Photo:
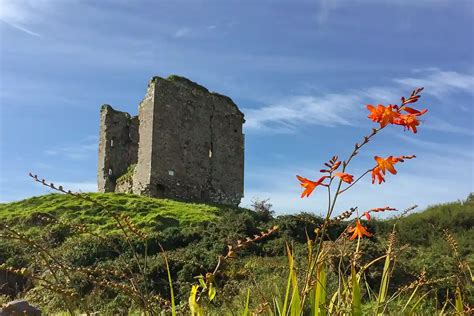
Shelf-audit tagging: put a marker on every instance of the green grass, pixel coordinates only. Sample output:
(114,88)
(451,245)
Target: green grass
(145,212)
(128,174)
(194,235)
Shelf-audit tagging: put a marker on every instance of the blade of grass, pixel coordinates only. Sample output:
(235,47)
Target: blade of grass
(288,284)
(458,302)
(320,294)
(411,297)
(356,299)
(385,279)
(277,306)
(246,310)
(446,303)
(413,309)
(295,307)
(193,305)
(173,307)
(277,301)
(331,303)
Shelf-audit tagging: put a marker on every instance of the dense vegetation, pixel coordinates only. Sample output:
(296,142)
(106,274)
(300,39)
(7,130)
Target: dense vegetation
(195,235)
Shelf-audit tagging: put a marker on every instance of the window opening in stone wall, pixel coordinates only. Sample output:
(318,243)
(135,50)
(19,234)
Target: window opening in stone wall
(160,189)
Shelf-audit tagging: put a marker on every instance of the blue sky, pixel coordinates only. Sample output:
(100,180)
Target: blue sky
(301,71)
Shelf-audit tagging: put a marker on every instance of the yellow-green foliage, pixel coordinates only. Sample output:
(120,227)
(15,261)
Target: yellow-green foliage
(146,213)
(128,174)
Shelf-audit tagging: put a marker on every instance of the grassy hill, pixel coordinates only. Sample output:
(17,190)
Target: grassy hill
(194,235)
(146,213)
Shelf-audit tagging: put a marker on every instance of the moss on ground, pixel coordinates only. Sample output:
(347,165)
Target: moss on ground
(127,175)
(147,213)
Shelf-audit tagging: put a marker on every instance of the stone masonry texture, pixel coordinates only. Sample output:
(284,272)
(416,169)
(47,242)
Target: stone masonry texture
(186,143)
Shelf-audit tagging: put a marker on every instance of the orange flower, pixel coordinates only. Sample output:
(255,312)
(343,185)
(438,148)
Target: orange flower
(414,112)
(382,114)
(401,158)
(309,185)
(382,209)
(358,231)
(376,113)
(409,121)
(376,210)
(376,173)
(386,164)
(348,178)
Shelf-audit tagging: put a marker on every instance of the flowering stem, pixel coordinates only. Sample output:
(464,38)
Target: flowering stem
(355,181)
(329,194)
(358,244)
(333,203)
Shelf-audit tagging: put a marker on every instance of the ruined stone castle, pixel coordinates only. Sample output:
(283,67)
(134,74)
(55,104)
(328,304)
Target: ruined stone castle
(186,143)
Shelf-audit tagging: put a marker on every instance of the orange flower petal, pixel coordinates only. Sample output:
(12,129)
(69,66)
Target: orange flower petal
(348,178)
(359,231)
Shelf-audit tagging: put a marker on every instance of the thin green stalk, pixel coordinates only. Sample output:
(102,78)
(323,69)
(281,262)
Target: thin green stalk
(345,189)
(246,310)
(173,307)
(356,295)
(385,278)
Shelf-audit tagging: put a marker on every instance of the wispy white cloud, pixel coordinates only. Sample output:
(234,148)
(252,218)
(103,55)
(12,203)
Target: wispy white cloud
(83,149)
(339,109)
(440,148)
(328,7)
(20,14)
(325,7)
(440,83)
(441,125)
(21,28)
(182,32)
(285,116)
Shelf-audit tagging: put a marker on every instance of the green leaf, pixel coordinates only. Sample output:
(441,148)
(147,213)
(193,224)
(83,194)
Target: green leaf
(196,310)
(385,279)
(319,308)
(288,284)
(246,310)
(201,281)
(410,298)
(295,297)
(458,303)
(356,297)
(211,292)
(173,307)
(415,306)
(332,302)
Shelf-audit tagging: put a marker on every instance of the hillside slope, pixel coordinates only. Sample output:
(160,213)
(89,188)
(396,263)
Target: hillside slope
(145,212)
(195,235)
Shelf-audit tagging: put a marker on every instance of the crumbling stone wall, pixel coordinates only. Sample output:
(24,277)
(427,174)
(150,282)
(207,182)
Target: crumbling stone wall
(191,145)
(118,146)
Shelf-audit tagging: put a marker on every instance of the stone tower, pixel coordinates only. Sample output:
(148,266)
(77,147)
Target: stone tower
(186,143)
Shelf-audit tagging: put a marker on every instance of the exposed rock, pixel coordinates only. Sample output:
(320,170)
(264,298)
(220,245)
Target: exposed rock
(19,308)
